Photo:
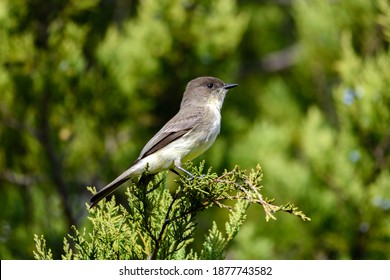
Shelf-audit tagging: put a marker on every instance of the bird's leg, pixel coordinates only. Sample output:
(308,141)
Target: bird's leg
(186,172)
(178,166)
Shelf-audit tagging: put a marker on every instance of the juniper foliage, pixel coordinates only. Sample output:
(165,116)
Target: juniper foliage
(160,224)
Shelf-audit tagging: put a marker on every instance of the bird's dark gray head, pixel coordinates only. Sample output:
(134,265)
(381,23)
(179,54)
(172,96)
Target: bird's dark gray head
(205,90)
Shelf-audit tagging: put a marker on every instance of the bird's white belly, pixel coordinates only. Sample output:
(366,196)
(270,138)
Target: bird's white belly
(187,147)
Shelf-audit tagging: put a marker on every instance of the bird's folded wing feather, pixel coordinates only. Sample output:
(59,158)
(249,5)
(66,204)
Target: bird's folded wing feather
(178,126)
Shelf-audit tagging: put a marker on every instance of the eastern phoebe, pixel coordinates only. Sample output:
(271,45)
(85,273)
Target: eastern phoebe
(187,135)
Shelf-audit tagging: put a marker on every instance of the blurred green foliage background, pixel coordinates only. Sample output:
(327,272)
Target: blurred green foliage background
(85,84)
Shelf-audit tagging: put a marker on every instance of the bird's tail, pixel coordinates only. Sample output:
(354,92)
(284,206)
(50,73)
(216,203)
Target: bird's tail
(110,188)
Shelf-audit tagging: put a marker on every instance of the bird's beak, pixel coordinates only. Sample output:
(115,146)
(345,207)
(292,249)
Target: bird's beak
(228,86)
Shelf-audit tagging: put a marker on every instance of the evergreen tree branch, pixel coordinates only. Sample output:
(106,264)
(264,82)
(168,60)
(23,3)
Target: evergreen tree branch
(160,225)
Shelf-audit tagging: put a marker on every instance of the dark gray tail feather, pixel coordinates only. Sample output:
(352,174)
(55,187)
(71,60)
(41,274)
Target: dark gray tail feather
(106,191)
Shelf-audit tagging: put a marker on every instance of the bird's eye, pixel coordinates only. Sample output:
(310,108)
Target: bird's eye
(210,85)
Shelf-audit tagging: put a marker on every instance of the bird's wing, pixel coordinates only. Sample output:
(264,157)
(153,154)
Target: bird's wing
(175,128)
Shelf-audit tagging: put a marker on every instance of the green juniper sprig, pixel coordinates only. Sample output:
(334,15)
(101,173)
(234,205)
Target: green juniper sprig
(159,224)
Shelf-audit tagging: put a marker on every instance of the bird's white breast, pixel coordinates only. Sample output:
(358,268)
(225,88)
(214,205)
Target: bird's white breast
(187,147)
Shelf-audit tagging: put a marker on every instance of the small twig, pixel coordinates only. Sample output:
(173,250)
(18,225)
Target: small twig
(268,208)
(246,192)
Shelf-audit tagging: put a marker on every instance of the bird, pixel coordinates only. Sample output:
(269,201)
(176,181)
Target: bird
(183,138)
